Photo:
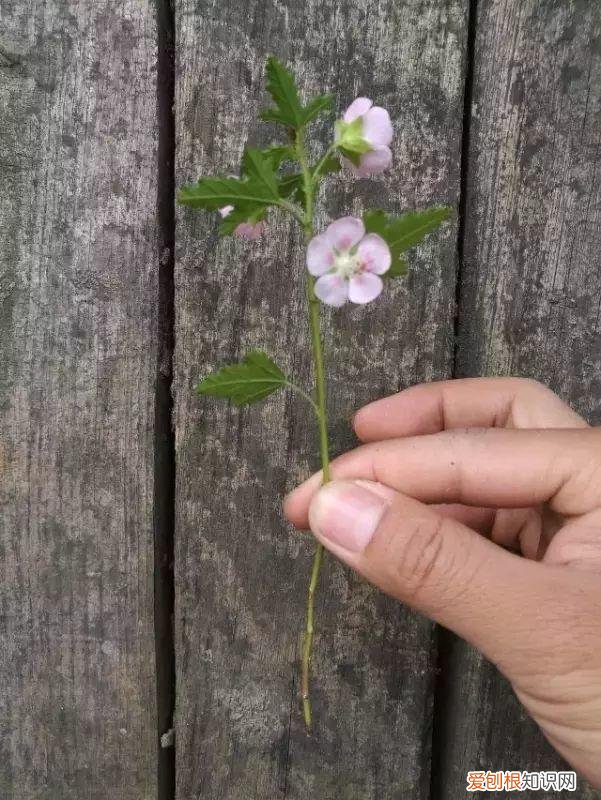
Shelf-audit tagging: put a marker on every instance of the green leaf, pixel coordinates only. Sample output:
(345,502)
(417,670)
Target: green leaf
(214,193)
(292,187)
(253,379)
(330,165)
(258,167)
(289,110)
(228,224)
(250,195)
(411,228)
(282,88)
(276,154)
(316,106)
(402,233)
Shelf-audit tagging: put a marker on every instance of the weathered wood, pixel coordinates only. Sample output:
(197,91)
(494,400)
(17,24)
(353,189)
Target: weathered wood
(531,285)
(78,287)
(241,575)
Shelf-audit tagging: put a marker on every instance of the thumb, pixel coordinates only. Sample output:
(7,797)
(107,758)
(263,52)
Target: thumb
(437,565)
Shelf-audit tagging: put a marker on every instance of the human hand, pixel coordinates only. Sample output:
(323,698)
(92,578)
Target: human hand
(456,480)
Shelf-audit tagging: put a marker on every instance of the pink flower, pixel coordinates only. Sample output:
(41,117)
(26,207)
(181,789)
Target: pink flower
(369,125)
(247,230)
(347,263)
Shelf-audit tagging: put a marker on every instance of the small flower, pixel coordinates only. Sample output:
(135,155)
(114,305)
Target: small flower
(246,230)
(347,263)
(366,131)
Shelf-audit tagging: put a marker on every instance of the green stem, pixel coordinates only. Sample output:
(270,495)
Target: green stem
(308,398)
(320,380)
(320,398)
(321,164)
(294,210)
(322,420)
(307,184)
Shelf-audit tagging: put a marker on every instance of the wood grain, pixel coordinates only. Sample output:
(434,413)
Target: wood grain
(530,287)
(78,286)
(241,575)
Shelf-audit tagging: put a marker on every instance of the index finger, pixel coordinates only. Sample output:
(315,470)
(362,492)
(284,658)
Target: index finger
(477,467)
(464,403)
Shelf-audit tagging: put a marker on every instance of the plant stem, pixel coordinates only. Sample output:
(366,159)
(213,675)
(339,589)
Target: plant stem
(308,184)
(306,396)
(294,210)
(320,380)
(321,164)
(320,399)
(309,181)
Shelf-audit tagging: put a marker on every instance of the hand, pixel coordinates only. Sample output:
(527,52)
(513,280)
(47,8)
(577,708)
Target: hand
(456,481)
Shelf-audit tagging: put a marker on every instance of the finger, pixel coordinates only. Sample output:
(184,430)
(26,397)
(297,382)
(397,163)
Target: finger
(436,565)
(484,467)
(478,519)
(519,529)
(466,403)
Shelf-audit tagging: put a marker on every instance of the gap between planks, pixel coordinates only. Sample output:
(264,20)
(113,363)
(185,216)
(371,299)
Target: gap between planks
(444,640)
(164,442)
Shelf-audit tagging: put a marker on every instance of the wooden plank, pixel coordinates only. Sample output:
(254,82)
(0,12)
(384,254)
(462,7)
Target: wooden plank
(78,287)
(531,285)
(241,575)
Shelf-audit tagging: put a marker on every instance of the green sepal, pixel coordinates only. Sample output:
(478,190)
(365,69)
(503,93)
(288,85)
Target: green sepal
(349,138)
(253,379)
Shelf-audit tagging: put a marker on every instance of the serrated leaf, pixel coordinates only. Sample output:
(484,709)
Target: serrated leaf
(330,165)
(402,233)
(276,154)
(257,166)
(253,379)
(293,187)
(377,222)
(316,106)
(237,216)
(288,109)
(214,193)
(282,88)
(411,228)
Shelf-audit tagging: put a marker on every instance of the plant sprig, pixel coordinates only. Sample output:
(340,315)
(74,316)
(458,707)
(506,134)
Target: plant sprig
(281,176)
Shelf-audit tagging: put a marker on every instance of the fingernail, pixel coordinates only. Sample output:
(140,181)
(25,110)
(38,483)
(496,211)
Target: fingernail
(347,513)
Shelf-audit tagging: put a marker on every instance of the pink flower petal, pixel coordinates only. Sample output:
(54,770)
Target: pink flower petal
(377,160)
(247,230)
(226,210)
(332,290)
(377,127)
(320,255)
(374,254)
(345,232)
(364,288)
(357,108)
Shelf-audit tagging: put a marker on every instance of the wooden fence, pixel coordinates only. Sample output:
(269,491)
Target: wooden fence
(110,306)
